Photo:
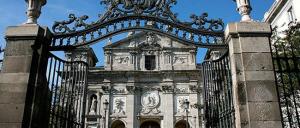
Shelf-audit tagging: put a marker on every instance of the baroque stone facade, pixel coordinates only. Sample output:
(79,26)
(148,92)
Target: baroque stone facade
(146,78)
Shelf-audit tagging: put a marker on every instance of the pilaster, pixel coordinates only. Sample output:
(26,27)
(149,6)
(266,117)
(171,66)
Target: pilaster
(168,102)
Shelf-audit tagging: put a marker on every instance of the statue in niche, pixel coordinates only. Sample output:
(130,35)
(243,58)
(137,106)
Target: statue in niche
(119,106)
(93,106)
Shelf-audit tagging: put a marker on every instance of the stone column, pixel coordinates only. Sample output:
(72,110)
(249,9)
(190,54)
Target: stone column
(23,86)
(254,90)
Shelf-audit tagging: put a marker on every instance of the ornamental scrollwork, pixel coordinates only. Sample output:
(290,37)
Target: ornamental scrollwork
(138,15)
(62,26)
(203,23)
(123,8)
(117,8)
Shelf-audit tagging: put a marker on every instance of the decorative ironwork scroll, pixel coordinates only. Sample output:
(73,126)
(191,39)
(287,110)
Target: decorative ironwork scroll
(138,15)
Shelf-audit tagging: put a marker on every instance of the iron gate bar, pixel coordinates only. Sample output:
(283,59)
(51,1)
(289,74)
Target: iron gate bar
(286,65)
(57,43)
(219,109)
(67,84)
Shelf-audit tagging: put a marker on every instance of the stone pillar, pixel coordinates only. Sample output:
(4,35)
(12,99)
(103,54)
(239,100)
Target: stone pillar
(254,90)
(23,86)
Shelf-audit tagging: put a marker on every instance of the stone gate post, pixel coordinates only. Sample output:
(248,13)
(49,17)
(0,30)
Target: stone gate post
(254,89)
(24,94)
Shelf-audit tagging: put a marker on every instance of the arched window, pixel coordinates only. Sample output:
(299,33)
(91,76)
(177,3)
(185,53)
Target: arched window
(118,124)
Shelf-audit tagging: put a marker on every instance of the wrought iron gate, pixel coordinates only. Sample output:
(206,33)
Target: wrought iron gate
(286,60)
(67,85)
(121,17)
(219,109)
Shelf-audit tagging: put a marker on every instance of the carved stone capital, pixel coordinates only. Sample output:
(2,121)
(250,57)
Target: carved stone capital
(130,89)
(151,89)
(107,52)
(181,90)
(194,89)
(133,52)
(167,89)
(106,89)
(117,90)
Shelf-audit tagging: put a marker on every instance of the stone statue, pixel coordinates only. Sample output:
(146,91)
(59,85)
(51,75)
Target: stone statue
(244,8)
(34,10)
(93,106)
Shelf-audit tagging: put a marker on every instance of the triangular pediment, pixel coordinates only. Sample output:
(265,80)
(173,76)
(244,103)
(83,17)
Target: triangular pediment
(148,40)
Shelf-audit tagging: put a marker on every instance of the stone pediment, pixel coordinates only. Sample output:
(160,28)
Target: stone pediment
(147,41)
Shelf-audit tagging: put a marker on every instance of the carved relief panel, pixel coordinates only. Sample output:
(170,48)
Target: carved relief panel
(180,59)
(119,105)
(180,103)
(150,101)
(121,59)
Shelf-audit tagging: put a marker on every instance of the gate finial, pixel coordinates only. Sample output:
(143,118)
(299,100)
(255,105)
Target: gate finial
(34,10)
(244,8)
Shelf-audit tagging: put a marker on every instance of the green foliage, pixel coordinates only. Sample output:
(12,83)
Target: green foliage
(286,58)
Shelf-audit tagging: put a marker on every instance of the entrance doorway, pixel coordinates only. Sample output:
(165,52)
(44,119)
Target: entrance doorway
(150,124)
(181,124)
(118,124)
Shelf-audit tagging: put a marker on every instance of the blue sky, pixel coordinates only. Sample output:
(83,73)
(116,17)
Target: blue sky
(13,13)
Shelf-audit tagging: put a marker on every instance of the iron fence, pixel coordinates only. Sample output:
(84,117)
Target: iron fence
(67,82)
(1,59)
(286,60)
(1,63)
(219,109)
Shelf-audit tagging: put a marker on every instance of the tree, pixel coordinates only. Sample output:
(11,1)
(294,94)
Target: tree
(286,58)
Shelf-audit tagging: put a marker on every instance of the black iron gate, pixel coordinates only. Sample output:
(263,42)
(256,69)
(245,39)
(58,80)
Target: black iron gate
(151,16)
(286,60)
(67,85)
(219,109)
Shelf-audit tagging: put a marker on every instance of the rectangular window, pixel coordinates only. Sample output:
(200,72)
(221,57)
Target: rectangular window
(291,14)
(150,62)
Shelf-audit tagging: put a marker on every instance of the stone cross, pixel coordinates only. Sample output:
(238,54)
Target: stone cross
(244,8)
(34,10)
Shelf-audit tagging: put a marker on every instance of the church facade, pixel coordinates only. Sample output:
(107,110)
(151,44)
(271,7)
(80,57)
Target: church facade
(144,83)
